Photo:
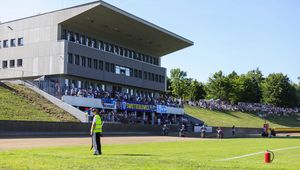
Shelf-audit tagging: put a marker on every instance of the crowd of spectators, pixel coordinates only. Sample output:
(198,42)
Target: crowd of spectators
(118,96)
(263,110)
(135,118)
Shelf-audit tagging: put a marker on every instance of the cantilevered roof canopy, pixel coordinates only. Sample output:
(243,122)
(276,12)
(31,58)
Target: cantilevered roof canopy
(115,25)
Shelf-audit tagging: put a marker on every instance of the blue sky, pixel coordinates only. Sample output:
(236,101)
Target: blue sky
(228,34)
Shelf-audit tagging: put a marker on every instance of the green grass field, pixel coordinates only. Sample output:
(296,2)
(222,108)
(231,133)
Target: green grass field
(202,154)
(20,103)
(240,119)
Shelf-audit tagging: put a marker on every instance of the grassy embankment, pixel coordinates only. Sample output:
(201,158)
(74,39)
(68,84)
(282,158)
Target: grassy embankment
(240,119)
(20,103)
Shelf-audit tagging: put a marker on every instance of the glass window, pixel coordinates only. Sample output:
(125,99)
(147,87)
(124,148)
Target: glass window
(140,74)
(89,41)
(150,60)
(19,62)
(4,64)
(149,76)
(145,75)
(144,58)
(89,62)
(147,59)
(127,72)
(11,63)
(83,61)
(112,68)
(93,43)
(106,46)
(20,41)
(5,44)
(69,36)
(117,69)
(156,61)
(135,73)
(76,37)
(129,54)
(0,44)
(64,34)
(107,66)
(131,72)
(101,44)
(70,58)
(100,64)
(159,79)
(72,38)
(77,59)
(13,42)
(121,51)
(122,70)
(125,52)
(116,51)
(82,40)
(95,64)
(111,48)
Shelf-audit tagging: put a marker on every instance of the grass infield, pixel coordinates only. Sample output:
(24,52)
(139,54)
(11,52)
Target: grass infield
(202,154)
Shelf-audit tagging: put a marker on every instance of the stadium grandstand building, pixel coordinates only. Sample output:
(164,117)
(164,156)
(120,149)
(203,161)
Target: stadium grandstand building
(94,45)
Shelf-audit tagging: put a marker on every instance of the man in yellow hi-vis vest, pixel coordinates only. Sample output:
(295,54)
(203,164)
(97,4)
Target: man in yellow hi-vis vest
(96,130)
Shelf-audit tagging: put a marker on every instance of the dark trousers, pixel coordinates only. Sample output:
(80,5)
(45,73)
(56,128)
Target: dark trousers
(96,143)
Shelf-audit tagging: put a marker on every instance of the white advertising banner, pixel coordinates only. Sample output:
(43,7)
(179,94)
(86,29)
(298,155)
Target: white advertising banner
(82,101)
(169,110)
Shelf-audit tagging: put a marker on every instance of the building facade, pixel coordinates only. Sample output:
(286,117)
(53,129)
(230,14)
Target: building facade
(91,45)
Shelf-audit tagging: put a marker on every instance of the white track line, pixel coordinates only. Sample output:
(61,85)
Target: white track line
(257,153)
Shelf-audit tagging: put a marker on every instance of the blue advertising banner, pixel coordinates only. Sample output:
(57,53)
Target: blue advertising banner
(135,106)
(108,103)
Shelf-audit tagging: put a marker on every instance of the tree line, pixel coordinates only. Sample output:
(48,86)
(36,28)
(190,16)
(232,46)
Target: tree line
(252,87)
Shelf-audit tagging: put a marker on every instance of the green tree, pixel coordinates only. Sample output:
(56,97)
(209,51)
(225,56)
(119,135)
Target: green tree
(179,83)
(196,91)
(277,90)
(218,87)
(169,87)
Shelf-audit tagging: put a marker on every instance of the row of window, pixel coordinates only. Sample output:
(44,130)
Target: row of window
(12,42)
(110,67)
(104,46)
(12,63)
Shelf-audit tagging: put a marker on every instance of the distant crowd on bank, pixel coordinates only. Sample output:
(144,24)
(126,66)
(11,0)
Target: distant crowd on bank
(263,110)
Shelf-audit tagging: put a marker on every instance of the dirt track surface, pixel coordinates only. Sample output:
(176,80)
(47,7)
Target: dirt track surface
(6,144)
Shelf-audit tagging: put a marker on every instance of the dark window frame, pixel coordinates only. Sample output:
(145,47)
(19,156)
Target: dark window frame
(13,42)
(4,64)
(70,58)
(83,61)
(77,59)
(12,63)
(19,62)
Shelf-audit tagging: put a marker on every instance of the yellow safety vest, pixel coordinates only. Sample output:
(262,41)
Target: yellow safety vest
(98,124)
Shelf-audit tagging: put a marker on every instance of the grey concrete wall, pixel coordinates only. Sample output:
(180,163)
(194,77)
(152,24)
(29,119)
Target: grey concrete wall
(33,128)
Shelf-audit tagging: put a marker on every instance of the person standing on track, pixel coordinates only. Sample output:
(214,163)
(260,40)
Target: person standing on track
(96,130)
